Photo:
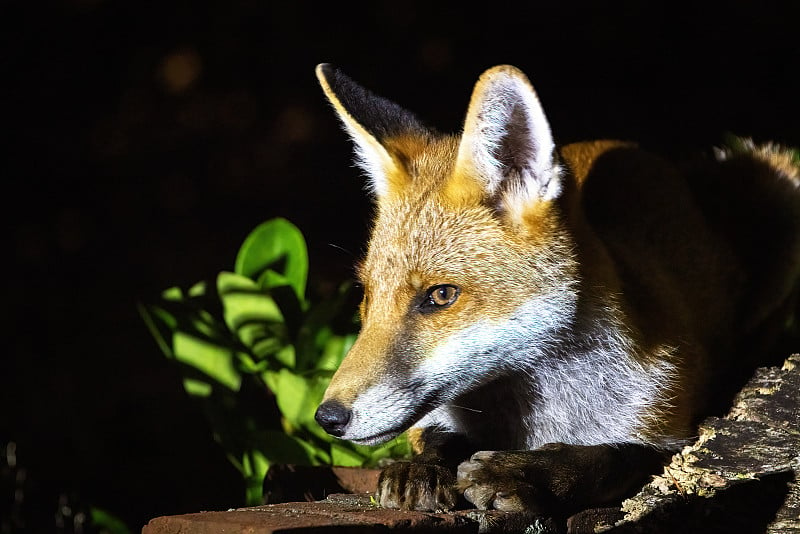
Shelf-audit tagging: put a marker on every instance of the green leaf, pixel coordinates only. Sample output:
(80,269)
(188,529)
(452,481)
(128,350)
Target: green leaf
(107,523)
(279,246)
(173,293)
(322,323)
(298,396)
(270,279)
(271,379)
(197,388)
(286,356)
(253,315)
(346,456)
(280,448)
(204,324)
(334,351)
(197,290)
(317,451)
(212,360)
(149,317)
(254,467)
(349,454)
(251,328)
(396,448)
(247,364)
(243,301)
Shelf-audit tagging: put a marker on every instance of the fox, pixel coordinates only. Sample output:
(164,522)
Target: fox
(549,324)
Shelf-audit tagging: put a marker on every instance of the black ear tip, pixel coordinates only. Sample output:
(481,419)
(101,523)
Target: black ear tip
(334,77)
(379,116)
(325,69)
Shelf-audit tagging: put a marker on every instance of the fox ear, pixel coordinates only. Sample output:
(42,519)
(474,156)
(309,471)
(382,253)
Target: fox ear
(371,121)
(507,145)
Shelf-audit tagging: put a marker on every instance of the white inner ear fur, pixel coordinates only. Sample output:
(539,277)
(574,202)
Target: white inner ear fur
(370,156)
(507,141)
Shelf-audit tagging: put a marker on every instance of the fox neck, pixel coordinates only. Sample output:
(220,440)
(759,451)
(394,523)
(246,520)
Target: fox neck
(586,393)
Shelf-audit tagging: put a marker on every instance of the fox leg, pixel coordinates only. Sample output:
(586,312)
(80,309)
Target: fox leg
(556,479)
(428,481)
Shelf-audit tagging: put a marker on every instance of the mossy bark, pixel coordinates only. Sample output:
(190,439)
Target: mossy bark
(741,475)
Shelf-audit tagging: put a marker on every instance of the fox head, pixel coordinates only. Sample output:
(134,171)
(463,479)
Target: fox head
(469,273)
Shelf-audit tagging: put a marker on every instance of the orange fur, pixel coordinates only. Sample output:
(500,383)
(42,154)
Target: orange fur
(642,255)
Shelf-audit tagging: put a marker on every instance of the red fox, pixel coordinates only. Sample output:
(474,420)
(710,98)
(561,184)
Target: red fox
(548,323)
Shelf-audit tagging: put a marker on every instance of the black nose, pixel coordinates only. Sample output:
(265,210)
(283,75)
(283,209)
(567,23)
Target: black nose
(333,417)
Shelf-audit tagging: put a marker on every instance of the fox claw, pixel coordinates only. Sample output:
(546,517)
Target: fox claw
(490,481)
(417,486)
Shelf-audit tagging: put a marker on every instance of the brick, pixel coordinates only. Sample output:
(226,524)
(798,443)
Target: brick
(337,513)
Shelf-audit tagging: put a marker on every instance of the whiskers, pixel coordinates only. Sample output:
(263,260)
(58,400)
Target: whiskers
(473,410)
(338,247)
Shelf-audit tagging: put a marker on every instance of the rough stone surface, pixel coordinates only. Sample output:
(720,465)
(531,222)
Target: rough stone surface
(339,513)
(742,475)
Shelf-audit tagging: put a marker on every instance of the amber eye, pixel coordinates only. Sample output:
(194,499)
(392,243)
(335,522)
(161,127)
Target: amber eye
(441,296)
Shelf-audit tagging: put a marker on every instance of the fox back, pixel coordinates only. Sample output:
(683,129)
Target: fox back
(520,294)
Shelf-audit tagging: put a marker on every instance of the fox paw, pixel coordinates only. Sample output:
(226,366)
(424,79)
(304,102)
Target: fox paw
(417,486)
(501,480)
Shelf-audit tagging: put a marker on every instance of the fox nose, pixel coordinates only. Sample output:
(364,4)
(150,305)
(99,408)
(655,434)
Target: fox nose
(333,417)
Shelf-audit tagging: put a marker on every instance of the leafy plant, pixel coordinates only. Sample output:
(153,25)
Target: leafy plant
(251,334)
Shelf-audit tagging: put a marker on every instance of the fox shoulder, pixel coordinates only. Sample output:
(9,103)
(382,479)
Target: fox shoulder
(580,157)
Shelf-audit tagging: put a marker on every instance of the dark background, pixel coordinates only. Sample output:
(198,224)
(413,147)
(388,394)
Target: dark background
(141,141)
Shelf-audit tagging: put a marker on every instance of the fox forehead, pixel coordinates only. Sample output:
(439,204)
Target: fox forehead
(412,219)
(428,240)
(425,160)
(416,245)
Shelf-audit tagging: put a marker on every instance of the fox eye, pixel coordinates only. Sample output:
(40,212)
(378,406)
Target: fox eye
(439,297)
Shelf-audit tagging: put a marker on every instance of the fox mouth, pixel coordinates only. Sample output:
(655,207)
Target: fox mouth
(369,436)
(367,430)
(377,439)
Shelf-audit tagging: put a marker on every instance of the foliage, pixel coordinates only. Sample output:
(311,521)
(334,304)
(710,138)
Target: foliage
(250,334)
(107,523)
